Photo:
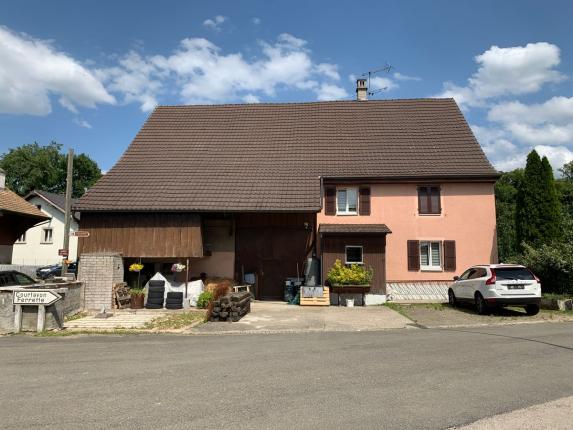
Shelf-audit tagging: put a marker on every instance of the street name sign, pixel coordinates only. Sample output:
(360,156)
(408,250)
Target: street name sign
(63,252)
(36,297)
(80,233)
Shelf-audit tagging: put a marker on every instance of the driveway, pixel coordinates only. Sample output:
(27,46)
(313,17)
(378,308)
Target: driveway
(279,317)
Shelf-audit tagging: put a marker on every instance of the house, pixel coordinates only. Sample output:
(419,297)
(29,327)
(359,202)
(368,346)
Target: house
(39,245)
(16,216)
(399,185)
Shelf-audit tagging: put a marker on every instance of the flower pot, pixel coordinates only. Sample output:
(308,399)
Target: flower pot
(137,301)
(349,303)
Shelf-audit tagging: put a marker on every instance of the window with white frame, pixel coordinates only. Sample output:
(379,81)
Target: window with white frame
(21,239)
(47,235)
(430,255)
(354,255)
(347,201)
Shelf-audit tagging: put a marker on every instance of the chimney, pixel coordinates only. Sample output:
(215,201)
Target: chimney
(2,179)
(361,90)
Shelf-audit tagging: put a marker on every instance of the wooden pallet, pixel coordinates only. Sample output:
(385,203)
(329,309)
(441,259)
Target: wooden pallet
(317,301)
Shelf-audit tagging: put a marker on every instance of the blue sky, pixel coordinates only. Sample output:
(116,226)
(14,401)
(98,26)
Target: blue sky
(87,74)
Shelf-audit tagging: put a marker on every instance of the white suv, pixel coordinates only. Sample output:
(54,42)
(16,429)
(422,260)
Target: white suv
(492,285)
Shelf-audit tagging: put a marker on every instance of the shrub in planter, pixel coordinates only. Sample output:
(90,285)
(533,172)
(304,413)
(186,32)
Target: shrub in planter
(204,299)
(137,297)
(354,274)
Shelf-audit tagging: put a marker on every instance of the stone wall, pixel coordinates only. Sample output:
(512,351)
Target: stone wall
(70,304)
(99,272)
(418,291)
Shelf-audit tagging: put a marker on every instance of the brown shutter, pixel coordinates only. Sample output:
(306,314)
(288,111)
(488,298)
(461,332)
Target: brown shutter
(364,201)
(330,201)
(450,255)
(413,255)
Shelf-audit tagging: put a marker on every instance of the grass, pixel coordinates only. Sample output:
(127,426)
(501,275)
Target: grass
(66,333)
(555,296)
(176,321)
(401,309)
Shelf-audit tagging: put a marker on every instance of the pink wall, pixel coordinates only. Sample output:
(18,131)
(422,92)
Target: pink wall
(468,217)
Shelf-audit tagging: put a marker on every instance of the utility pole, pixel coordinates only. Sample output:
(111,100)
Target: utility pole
(68,210)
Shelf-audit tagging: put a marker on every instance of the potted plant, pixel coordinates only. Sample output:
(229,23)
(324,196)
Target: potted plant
(137,297)
(353,278)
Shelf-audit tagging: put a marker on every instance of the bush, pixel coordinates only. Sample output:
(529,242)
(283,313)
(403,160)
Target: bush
(204,299)
(355,274)
(136,292)
(553,264)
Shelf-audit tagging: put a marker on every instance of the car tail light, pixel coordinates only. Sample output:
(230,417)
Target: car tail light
(492,279)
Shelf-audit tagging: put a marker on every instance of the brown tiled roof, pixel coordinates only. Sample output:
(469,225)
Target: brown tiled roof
(353,228)
(11,202)
(269,157)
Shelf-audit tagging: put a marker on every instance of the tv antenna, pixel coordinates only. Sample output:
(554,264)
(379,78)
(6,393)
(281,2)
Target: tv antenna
(369,73)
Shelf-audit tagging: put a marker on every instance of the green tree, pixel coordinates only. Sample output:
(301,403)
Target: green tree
(567,171)
(505,196)
(529,201)
(550,211)
(33,166)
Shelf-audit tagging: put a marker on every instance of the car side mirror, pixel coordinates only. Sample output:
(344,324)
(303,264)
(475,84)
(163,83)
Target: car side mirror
(456,278)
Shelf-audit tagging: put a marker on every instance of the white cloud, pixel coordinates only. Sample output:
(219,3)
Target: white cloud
(201,72)
(400,77)
(548,123)
(508,71)
(215,23)
(380,82)
(557,155)
(256,20)
(32,70)
(330,92)
(82,123)
(251,98)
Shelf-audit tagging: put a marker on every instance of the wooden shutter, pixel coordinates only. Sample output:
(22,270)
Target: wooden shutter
(413,255)
(450,255)
(330,201)
(364,201)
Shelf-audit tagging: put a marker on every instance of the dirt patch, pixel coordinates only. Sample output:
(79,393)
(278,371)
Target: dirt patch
(443,315)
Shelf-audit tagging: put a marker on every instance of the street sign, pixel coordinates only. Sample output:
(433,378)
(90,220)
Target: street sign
(80,233)
(63,252)
(36,297)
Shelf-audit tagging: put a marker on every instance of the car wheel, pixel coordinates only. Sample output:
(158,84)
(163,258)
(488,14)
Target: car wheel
(452,298)
(532,310)
(481,305)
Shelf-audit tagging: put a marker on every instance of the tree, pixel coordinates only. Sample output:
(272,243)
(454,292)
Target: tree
(567,171)
(550,211)
(35,167)
(505,196)
(529,202)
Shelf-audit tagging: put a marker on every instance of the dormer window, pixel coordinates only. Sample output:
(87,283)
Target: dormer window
(347,201)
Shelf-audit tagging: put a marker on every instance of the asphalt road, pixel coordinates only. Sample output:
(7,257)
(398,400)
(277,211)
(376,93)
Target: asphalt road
(396,379)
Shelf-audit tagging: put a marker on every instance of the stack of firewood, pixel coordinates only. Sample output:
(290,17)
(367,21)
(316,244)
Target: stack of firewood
(231,307)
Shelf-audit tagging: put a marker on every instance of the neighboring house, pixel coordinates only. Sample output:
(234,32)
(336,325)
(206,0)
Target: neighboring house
(39,245)
(16,216)
(399,185)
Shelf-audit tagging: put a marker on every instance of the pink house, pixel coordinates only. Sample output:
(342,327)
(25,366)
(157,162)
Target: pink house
(401,186)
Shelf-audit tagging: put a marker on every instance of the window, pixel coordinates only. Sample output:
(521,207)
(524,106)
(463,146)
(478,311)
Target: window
(354,255)
(21,239)
(347,201)
(47,235)
(430,256)
(514,274)
(429,200)
(479,272)
(22,279)
(39,207)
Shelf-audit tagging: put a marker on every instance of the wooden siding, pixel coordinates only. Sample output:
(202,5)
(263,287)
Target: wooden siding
(142,235)
(373,255)
(271,245)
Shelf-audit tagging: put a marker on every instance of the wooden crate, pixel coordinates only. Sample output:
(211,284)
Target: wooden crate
(317,301)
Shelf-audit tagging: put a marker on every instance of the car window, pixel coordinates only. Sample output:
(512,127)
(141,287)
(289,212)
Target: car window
(466,274)
(514,273)
(22,279)
(6,280)
(479,272)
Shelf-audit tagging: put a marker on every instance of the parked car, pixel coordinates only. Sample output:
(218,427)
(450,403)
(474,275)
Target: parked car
(10,278)
(495,285)
(53,270)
